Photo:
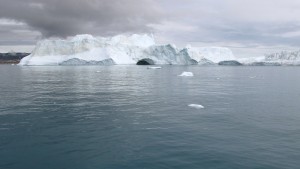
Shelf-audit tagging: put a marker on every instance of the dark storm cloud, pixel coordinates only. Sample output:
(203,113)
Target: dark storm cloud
(16,33)
(69,17)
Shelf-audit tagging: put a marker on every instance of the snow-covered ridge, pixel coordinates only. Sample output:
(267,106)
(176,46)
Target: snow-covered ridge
(284,58)
(121,49)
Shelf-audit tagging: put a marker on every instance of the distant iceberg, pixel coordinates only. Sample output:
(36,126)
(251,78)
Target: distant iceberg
(121,49)
(154,67)
(283,58)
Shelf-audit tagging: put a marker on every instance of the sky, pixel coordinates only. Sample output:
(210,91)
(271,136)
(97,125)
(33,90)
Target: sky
(248,27)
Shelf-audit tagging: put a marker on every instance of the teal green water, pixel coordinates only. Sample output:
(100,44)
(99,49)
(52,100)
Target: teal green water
(121,117)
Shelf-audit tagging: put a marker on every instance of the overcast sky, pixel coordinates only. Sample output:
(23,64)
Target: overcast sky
(248,27)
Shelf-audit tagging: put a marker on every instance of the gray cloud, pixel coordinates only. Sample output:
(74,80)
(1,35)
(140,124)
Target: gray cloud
(69,17)
(248,22)
(242,24)
(17,33)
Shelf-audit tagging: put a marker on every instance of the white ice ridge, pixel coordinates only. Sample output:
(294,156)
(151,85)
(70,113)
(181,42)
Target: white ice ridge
(187,74)
(197,106)
(120,49)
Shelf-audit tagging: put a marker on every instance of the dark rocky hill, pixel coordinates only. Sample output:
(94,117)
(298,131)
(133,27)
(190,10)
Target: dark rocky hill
(12,58)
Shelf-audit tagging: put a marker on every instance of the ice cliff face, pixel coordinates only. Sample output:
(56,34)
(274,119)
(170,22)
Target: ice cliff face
(213,54)
(89,50)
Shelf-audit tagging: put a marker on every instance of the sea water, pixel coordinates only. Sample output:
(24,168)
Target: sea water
(119,117)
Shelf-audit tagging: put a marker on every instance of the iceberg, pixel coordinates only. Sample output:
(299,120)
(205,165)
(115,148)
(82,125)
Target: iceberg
(154,67)
(283,58)
(121,50)
(141,50)
(197,106)
(187,74)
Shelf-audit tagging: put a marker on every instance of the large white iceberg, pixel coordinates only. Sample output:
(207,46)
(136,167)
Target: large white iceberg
(121,49)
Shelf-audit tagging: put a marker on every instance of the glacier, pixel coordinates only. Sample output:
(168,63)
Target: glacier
(121,50)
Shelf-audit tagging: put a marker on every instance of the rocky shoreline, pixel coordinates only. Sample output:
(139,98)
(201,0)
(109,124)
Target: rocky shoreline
(12,58)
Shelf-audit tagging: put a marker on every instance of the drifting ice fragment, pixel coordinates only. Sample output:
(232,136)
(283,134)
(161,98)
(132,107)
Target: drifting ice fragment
(187,74)
(154,67)
(197,106)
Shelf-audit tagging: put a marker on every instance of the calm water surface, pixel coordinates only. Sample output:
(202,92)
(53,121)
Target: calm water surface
(121,117)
